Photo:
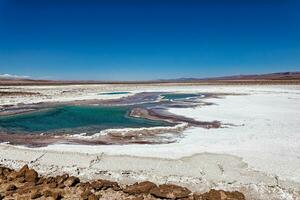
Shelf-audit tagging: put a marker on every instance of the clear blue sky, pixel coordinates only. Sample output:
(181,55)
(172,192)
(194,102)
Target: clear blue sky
(138,40)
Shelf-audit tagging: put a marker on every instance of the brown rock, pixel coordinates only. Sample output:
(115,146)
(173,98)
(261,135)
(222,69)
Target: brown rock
(10,178)
(2,177)
(109,184)
(54,195)
(139,188)
(220,195)
(29,185)
(41,181)
(21,180)
(31,175)
(1,197)
(85,195)
(11,187)
(47,193)
(26,188)
(9,194)
(71,181)
(93,197)
(96,185)
(170,191)
(5,171)
(52,185)
(50,180)
(61,185)
(22,171)
(22,191)
(138,198)
(62,178)
(85,186)
(36,194)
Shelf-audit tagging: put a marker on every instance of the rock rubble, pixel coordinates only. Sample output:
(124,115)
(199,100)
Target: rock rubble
(27,184)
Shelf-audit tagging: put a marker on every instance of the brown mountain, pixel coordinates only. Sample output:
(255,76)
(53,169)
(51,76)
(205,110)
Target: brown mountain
(282,77)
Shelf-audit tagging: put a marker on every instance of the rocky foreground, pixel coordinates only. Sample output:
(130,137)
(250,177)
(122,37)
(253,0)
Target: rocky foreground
(27,184)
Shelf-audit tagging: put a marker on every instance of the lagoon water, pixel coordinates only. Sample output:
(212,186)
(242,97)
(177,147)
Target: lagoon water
(179,96)
(74,119)
(114,93)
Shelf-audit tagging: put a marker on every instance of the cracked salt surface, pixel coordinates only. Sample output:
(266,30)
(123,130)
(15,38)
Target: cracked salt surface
(266,138)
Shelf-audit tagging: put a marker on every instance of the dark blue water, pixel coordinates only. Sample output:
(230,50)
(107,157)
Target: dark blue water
(89,119)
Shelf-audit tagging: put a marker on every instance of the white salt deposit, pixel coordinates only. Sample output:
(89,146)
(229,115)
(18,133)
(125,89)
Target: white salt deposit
(265,134)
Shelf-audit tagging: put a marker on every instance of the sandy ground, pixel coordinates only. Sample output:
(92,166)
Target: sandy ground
(259,155)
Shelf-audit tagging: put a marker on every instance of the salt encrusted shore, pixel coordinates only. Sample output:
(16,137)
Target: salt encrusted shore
(199,172)
(26,183)
(259,156)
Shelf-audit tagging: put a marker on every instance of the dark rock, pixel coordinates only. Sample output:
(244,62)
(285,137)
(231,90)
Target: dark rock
(5,171)
(170,191)
(220,195)
(3,177)
(139,188)
(47,193)
(71,181)
(11,187)
(137,198)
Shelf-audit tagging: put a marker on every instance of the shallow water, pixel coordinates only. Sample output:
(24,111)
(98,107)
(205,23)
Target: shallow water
(74,119)
(177,96)
(112,93)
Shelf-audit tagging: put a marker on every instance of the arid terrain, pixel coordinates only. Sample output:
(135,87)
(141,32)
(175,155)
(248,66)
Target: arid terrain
(254,149)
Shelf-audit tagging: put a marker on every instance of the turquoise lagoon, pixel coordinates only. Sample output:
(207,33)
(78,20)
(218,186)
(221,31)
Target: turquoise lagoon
(179,96)
(114,93)
(74,119)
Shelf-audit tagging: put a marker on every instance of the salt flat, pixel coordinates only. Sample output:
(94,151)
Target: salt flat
(257,150)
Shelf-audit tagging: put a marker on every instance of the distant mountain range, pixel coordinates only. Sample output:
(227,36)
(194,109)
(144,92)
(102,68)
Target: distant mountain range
(281,77)
(270,76)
